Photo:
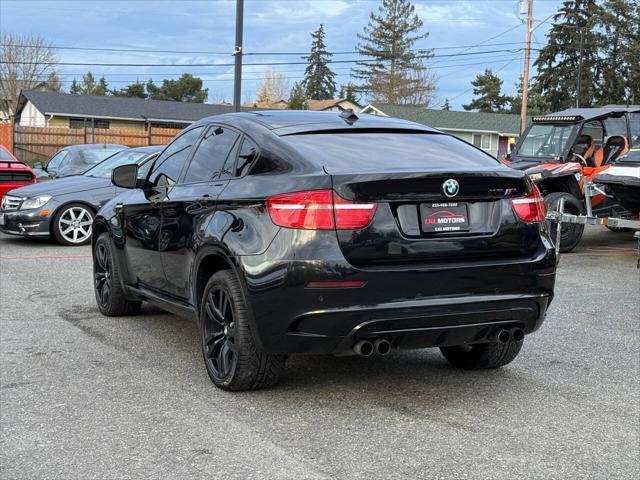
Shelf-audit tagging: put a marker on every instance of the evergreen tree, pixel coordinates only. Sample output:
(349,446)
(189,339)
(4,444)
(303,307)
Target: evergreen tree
(446,105)
(88,84)
(557,63)
(620,56)
(487,89)
(185,89)
(134,90)
(349,92)
(75,88)
(319,80)
(102,88)
(388,39)
(53,83)
(297,98)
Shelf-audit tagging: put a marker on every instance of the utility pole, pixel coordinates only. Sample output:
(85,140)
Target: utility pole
(527,58)
(580,67)
(237,52)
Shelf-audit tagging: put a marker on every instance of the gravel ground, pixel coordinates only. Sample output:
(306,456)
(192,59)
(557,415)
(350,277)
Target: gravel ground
(84,396)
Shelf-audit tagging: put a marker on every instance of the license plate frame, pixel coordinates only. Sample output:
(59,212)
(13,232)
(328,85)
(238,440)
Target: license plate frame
(444,217)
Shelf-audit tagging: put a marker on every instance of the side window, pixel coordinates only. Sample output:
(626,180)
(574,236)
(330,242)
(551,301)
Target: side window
(616,126)
(634,124)
(248,153)
(171,161)
(596,130)
(211,153)
(57,159)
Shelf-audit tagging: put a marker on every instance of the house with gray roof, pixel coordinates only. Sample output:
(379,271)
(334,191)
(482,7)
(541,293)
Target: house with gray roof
(494,133)
(52,109)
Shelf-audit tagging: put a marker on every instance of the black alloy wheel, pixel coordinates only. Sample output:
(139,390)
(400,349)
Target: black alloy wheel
(219,334)
(102,274)
(111,297)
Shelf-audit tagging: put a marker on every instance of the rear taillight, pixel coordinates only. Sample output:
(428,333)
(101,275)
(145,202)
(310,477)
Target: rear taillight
(530,208)
(319,210)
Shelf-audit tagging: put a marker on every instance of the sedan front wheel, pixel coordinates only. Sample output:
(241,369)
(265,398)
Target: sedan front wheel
(72,225)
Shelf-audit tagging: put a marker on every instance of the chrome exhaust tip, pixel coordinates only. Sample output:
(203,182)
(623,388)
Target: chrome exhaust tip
(364,348)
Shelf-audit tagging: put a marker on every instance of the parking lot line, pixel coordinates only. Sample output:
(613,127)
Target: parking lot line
(42,257)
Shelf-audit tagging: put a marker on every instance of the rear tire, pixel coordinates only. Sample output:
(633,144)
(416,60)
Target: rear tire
(483,355)
(571,233)
(232,358)
(110,296)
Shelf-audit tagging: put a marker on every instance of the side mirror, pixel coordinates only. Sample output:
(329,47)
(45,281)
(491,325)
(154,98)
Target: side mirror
(125,176)
(38,165)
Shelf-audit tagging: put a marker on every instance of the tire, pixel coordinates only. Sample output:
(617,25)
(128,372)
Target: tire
(110,296)
(571,233)
(72,225)
(231,356)
(483,355)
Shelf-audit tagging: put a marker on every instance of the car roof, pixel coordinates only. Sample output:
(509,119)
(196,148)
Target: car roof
(94,146)
(575,115)
(291,122)
(147,149)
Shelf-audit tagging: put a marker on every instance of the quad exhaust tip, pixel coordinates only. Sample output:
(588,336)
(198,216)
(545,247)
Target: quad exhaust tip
(382,346)
(365,348)
(518,334)
(503,336)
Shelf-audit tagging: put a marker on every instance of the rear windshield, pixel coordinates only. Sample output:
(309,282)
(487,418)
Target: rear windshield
(4,155)
(92,157)
(373,152)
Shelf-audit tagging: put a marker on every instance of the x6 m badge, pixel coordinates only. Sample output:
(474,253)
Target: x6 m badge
(450,188)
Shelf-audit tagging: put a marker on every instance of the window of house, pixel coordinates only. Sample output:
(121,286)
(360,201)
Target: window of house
(76,123)
(211,153)
(482,141)
(86,122)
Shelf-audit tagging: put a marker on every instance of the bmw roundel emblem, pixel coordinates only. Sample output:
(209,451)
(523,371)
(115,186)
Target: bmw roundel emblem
(451,188)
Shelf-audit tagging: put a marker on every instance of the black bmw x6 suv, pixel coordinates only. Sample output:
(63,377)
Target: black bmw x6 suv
(313,232)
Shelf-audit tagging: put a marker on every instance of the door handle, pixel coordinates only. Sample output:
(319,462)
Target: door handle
(118,207)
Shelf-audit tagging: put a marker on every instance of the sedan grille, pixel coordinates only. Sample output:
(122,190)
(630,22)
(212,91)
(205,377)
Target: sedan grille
(11,203)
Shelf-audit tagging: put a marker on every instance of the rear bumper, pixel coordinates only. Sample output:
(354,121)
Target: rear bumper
(412,307)
(26,223)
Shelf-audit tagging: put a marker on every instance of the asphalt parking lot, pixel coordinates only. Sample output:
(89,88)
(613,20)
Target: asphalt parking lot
(84,396)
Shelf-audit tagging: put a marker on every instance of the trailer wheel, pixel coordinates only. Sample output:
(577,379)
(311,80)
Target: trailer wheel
(571,233)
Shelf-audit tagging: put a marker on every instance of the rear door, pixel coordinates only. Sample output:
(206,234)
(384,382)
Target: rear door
(438,198)
(189,205)
(142,212)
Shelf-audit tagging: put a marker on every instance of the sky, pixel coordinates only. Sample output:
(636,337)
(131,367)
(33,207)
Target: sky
(480,33)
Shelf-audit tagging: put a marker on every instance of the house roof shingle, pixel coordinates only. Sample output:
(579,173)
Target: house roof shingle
(503,123)
(53,103)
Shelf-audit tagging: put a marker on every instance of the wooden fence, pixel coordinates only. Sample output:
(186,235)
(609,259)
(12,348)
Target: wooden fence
(6,136)
(38,144)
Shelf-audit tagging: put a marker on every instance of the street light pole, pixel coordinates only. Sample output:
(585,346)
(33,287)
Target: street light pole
(527,59)
(237,52)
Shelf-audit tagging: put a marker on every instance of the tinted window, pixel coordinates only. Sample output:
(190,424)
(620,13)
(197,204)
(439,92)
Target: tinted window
(211,154)
(375,152)
(171,161)
(247,155)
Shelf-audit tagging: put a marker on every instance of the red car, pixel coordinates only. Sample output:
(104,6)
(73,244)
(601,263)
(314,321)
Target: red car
(13,173)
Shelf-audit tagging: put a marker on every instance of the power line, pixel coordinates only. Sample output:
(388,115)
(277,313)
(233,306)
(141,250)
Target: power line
(182,65)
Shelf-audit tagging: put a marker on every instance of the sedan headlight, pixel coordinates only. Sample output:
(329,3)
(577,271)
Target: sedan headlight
(35,202)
